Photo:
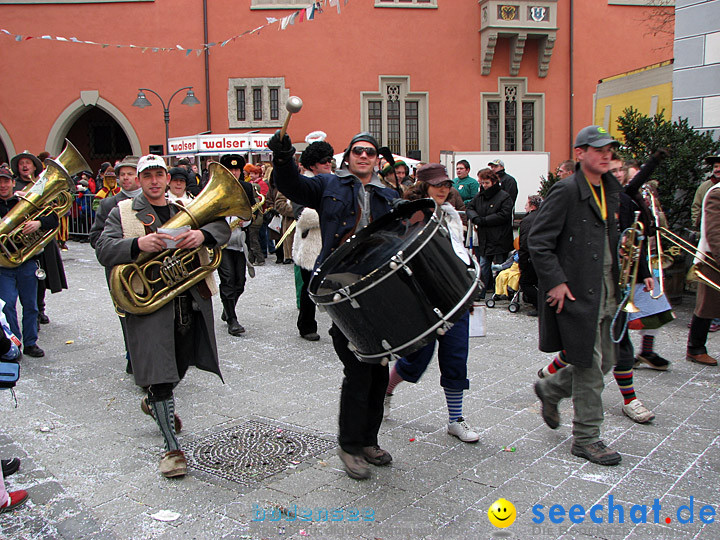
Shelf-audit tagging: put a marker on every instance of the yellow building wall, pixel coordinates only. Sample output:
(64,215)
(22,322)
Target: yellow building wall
(641,99)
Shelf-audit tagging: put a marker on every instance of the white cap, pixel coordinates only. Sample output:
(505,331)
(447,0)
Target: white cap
(315,136)
(149,162)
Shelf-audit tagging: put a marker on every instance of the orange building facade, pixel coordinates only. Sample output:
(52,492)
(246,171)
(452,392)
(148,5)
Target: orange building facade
(424,75)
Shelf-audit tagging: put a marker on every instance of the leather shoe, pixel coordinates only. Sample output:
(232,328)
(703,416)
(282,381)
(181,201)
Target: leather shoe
(312,336)
(355,466)
(173,464)
(704,359)
(34,351)
(549,411)
(42,318)
(15,499)
(235,328)
(376,455)
(597,453)
(10,466)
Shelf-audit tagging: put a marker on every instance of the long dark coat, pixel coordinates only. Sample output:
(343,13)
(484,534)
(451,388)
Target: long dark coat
(491,213)
(566,246)
(707,304)
(151,338)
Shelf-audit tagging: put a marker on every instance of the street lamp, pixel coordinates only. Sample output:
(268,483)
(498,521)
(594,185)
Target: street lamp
(142,102)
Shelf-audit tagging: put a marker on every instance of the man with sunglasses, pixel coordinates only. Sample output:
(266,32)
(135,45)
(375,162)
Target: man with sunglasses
(346,202)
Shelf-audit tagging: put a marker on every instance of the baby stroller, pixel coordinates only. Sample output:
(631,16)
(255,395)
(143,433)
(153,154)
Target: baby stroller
(507,284)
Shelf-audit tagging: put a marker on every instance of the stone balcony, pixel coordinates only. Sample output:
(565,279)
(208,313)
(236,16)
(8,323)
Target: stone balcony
(518,20)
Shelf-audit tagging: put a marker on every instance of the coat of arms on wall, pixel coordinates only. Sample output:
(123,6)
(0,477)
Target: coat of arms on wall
(539,14)
(508,13)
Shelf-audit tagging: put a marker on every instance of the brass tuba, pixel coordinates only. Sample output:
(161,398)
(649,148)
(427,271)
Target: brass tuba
(154,279)
(52,192)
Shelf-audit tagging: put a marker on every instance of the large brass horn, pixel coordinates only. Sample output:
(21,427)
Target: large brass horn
(154,279)
(51,193)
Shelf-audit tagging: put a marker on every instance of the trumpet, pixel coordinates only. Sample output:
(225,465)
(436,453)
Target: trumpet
(629,251)
(702,260)
(658,261)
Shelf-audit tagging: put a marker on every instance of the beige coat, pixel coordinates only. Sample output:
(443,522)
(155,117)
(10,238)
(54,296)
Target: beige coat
(707,304)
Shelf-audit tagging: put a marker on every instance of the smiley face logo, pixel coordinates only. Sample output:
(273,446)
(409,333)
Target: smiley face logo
(502,513)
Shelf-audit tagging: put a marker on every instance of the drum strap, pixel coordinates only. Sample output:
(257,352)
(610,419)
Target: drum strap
(351,231)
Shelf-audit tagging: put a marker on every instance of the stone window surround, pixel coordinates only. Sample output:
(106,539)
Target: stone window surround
(522,95)
(405,95)
(249,83)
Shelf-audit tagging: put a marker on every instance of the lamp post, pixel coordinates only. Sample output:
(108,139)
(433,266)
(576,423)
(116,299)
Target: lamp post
(142,102)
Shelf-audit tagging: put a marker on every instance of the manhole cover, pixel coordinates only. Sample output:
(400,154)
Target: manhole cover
(253,451)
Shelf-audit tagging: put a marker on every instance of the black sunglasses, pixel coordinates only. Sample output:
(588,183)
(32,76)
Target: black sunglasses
(325,160)
(369,150)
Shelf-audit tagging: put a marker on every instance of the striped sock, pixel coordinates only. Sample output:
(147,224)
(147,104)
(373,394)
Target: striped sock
(624,381)
(395,379)
(556,365)
(454,400)
(165,418)
(648,342)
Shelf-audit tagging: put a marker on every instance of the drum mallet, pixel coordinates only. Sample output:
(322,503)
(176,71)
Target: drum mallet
(293,105)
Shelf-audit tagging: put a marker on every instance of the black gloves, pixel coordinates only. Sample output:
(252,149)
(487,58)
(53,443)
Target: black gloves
(397,203)
(661,153)
(282,149)
(479,221)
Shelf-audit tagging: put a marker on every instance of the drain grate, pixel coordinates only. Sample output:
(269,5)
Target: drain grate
(253,451)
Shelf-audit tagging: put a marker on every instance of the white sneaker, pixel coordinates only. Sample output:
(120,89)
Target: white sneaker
(386,405)
(637,412)
(462,431)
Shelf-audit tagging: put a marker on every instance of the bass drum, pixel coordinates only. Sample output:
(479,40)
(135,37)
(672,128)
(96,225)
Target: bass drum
(397,283)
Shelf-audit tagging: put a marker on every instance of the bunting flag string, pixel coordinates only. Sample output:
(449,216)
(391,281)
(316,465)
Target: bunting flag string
(303,14)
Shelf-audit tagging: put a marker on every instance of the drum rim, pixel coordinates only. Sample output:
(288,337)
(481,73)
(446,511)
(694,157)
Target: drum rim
(468,296)
(352,290)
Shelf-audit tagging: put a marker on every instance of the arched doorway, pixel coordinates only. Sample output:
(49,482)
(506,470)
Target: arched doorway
(99,138)
(7,150)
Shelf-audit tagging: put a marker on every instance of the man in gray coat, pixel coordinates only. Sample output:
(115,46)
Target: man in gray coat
(573,245)
(164,343)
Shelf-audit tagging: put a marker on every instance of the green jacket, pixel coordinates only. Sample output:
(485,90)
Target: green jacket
(468,188)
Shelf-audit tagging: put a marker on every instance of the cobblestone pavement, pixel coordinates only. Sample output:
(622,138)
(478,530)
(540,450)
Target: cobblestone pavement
(90,456)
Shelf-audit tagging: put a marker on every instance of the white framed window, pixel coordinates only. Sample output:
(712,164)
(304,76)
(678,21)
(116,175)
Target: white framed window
(513,119)
(406,3)
(397,117)
(255,102)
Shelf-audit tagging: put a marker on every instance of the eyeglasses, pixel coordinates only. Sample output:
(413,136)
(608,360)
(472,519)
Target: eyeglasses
(444,185)
(369,150)
(325,160)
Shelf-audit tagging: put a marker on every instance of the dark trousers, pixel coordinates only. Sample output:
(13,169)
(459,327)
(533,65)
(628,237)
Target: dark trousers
(361,397)
(306,322)
(528,284)
(486,275)
(232,274)
(452,358)
(697,337)
(626,353)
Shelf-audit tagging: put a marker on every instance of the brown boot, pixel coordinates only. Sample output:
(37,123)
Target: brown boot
(704,359)
(173,464)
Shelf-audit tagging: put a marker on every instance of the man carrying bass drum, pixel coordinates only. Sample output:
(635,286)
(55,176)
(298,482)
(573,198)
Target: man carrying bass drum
(346,202)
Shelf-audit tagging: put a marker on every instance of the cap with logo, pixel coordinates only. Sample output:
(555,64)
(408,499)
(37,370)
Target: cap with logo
(151,161)
(497,163)
(595,136)
(232,161)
